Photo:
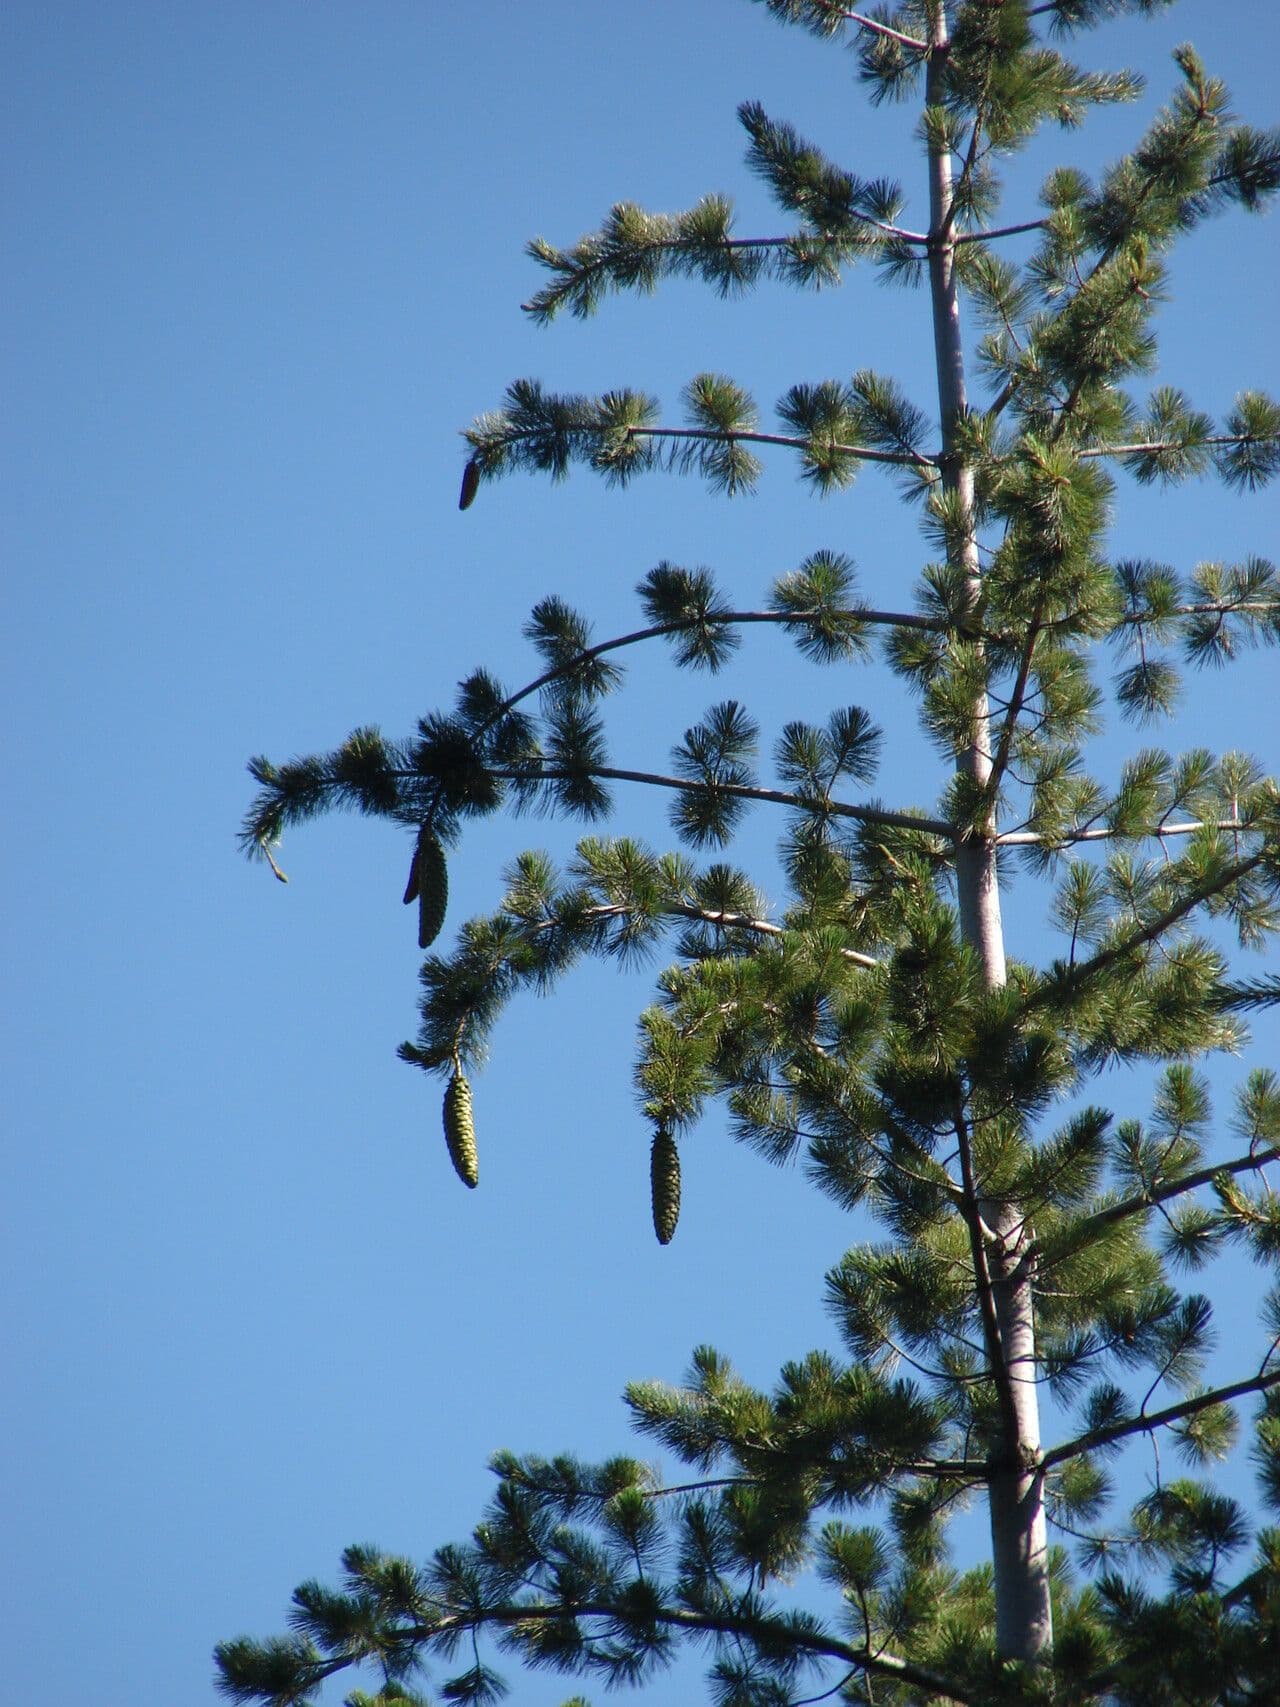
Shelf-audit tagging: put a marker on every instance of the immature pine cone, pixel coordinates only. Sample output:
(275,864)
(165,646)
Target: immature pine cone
(459,1132)
(664,1180)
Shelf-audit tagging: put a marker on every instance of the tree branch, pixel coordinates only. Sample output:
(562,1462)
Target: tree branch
(577,265)
(1033,838)
(1260,1383)
(707,916)
(774,1631)
(877,28)
(971,1212)
(1211,607)
(1050,1253)
(739,791)
(946,232)
(760,927)
(1013,707)
(712,619)
(999,231)
(1149,446)
(1087,969)
(865,453)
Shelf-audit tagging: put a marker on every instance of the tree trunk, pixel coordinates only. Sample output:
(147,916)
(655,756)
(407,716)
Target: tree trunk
(1024,1624)
(1019,1542)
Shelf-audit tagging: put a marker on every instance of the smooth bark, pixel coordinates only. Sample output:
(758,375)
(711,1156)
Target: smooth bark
(1024,1622)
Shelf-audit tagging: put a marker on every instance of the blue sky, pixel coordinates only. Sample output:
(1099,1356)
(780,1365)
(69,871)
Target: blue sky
(263,263)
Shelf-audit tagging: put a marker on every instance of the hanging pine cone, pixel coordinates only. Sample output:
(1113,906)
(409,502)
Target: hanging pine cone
(429,886)
(664,1181)
(470,485)
(459,1131)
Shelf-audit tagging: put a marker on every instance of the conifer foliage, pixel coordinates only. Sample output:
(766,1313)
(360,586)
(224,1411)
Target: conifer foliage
(1033,1241)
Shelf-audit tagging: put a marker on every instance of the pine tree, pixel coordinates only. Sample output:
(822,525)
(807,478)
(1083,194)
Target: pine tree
(874,1027)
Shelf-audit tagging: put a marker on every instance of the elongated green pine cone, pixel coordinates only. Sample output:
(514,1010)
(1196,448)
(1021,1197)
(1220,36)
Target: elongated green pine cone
(429,885)
(664,1180)
(470,485)
(459,1131)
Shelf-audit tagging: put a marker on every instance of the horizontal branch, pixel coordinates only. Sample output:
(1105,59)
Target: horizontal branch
(738,791)
(1211,607)
(776,1633)
(1083,1233)
(579,267)
(759,927)
(944,1469)
(864,453)
(1000,231)
(1148,1424)
(710,619)
(699,245)
(1149,447)
(1034,838)
(709,916)
(720,619)
(773,1634)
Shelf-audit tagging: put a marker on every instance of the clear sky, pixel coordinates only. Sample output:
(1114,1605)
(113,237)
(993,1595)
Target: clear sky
(262,262)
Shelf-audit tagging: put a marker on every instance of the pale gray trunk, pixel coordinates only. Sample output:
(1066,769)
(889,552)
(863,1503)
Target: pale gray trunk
(1019,1542)
(1024,1626)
